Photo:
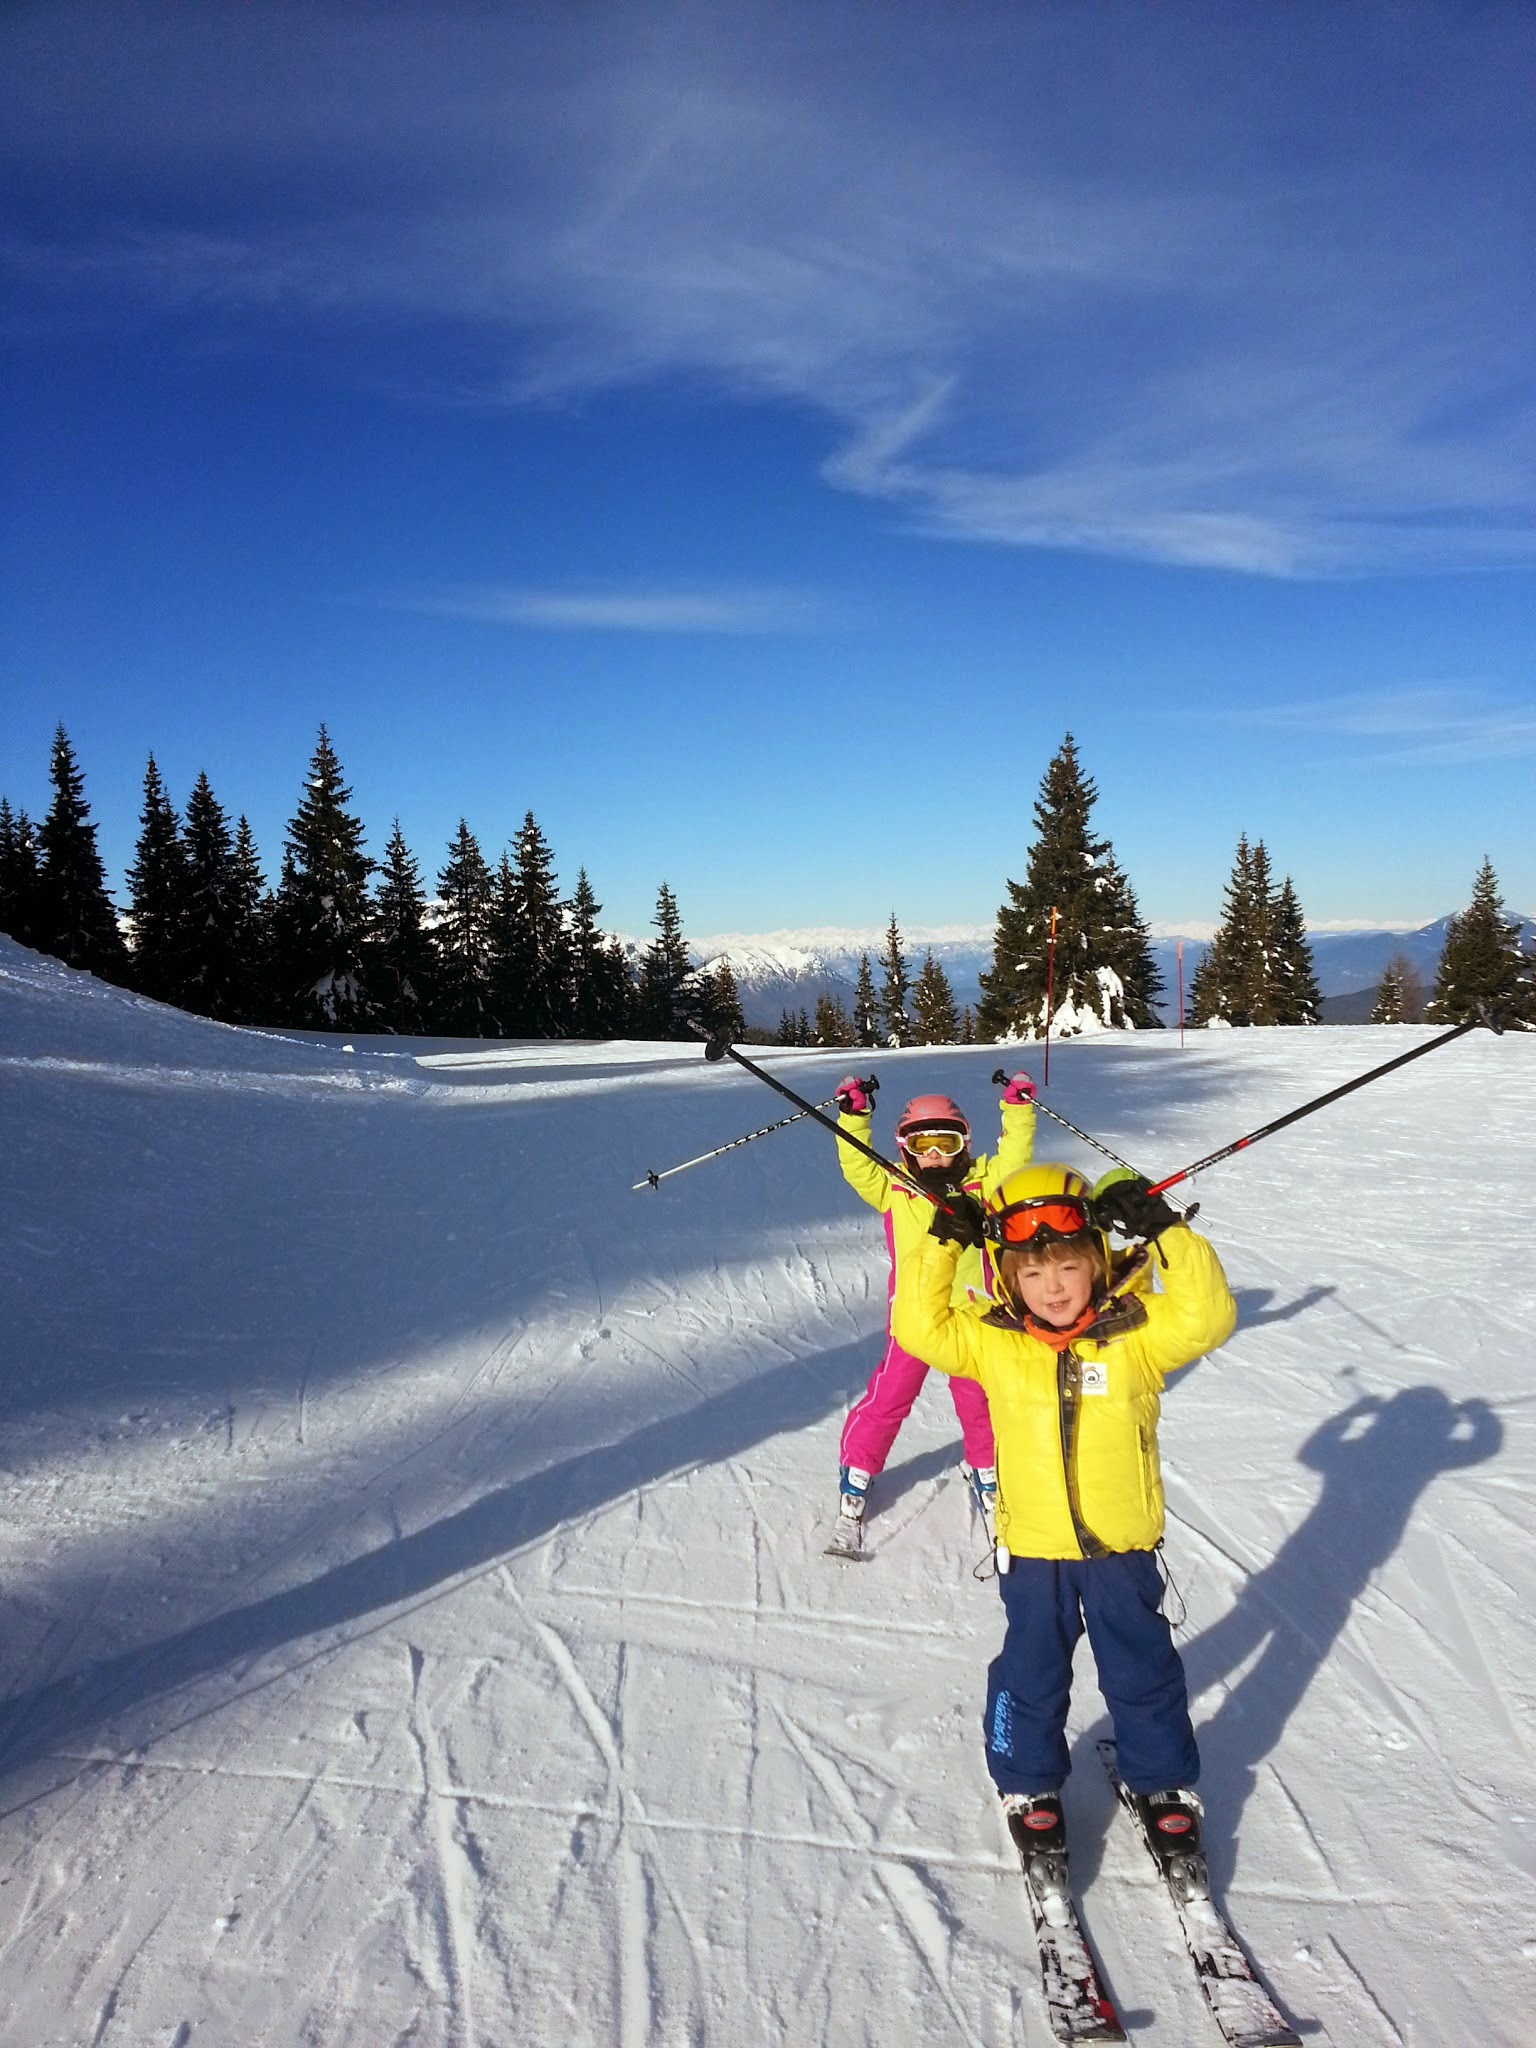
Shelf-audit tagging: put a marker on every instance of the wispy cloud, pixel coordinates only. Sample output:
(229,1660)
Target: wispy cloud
(723,610)
(1169,284)
(1423,725)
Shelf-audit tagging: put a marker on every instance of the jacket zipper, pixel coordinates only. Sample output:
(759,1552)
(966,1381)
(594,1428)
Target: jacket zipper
(1068,1411)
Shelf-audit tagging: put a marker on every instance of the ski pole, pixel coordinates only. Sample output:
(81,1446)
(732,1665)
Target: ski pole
(1322,1101)
(654,1180)
(722,1049)
(1000,1079)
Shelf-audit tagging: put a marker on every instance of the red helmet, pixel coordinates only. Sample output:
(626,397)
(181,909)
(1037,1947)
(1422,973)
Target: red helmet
(932,1113)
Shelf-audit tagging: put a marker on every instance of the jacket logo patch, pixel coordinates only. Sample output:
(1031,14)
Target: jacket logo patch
(1094,1377)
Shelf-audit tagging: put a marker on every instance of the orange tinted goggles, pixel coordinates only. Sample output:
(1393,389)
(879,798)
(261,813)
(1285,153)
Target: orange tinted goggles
(948,1144)
(1045,1216)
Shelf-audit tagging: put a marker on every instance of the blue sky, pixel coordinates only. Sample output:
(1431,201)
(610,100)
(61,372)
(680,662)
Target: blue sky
(751,436)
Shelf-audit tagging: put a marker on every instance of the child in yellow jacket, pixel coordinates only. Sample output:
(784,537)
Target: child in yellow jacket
(1072,1361)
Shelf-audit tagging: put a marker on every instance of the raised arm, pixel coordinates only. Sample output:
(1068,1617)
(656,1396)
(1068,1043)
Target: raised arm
(1195,1311)
(1016,1146)
(922,1321)
(855,1103)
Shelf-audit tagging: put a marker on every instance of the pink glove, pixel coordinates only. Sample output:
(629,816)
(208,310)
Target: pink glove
(852,1096)
(1020,1089)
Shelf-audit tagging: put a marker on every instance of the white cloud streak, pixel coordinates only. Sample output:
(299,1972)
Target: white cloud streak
(1423,725)
(727,610)
(1183,285)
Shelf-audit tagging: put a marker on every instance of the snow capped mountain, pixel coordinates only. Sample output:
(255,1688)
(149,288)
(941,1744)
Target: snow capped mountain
(788,970)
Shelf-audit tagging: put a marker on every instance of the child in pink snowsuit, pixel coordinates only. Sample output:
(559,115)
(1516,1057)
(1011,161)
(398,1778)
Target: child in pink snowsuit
(933,1139)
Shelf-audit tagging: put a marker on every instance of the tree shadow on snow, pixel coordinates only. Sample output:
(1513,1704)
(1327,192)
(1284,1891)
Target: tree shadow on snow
(1375,1458)
(126,1700)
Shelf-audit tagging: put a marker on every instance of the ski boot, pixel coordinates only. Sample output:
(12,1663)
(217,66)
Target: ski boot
(1172,1824)
(982,1480)
(847,1538)
(1039,1834)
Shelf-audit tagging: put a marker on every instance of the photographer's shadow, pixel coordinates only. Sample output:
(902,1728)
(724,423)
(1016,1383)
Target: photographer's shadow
(1376,1458)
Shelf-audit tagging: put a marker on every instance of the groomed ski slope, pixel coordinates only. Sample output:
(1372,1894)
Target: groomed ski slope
(415,1626)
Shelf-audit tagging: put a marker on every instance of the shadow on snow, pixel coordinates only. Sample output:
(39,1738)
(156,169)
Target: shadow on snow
(131,1694)
(1376,1458)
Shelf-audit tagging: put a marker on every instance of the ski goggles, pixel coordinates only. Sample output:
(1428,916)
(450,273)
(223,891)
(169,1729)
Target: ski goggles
(948,1144)
(1043,1216)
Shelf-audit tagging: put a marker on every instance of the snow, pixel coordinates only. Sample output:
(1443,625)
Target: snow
(417,1629)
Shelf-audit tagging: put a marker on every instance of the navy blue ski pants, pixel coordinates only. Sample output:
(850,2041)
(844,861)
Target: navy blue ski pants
(1048,1602)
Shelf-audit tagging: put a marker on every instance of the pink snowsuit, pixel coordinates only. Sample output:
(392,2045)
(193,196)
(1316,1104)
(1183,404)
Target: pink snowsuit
(875,1418)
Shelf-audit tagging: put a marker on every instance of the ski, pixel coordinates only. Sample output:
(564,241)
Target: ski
(1075,2001)
(846,1540)
(1238,2001)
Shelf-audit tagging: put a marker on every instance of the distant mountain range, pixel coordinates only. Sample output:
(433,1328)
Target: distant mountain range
(778,971)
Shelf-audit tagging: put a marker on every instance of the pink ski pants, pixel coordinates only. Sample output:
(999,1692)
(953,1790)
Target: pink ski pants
(874,1419)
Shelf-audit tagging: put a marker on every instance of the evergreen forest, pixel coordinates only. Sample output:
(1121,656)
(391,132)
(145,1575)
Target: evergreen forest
(341,941)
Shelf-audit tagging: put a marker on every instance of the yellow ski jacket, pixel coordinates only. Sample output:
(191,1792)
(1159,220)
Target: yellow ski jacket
(1077,1464)
(907,1216)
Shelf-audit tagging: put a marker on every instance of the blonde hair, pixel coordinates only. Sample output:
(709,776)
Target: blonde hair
(1052,1251)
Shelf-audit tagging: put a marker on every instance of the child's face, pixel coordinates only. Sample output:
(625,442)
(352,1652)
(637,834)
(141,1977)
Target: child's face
(1055,1291)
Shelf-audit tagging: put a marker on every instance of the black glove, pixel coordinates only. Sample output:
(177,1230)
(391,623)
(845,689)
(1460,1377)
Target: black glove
(1127,1208)
(961,1223)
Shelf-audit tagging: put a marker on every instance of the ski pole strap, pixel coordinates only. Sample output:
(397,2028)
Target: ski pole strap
(654,1180)
(1321,1102)
(722,1049)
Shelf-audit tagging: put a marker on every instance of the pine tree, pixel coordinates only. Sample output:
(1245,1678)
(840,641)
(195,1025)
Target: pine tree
(967,1026)
(1482,964)
(1127,948)
(546,948)
(866,1006)
(158,896)
(601,992)
(18,874)
(75,920)
(462,938)
(216,966)
(933,1006)
(1103,962)
(1399,994)
(322,911)
(587,948)
(668,1002)
(832,1024)
(402,966)
(723,1016)
(1229,982)
(1391,998)
(510,957)
(1258,991)
(1292,997)
(619,994)
(895,988)
(250,924)
(788,1030)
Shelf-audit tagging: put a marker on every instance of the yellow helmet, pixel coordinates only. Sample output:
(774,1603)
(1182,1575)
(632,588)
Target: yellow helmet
(1047,1200)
